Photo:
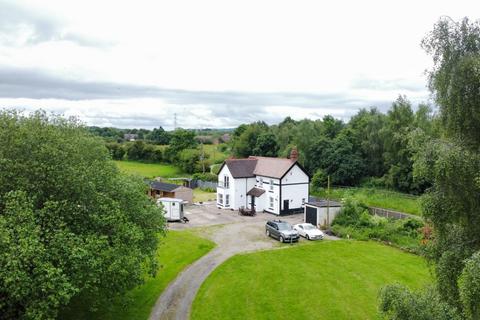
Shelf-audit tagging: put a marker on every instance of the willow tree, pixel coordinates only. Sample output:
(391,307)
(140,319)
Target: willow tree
(452,165)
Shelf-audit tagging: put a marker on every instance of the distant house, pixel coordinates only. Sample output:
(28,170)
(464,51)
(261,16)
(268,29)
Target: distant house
(169,190)
(130,136)
(275,185)
(225,137)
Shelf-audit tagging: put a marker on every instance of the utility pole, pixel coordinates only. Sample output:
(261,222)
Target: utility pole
(202,157)
(328,201)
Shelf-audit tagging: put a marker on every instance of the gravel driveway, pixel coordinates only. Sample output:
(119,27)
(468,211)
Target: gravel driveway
(238,234)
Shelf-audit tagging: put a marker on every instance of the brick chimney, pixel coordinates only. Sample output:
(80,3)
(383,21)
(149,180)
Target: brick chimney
(294,154)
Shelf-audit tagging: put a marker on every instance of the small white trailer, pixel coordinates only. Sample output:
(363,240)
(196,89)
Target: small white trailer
(173,208)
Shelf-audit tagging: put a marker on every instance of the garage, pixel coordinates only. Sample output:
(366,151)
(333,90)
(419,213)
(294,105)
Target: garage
(322,212)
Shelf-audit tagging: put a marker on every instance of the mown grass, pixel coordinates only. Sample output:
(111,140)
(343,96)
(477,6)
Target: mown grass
(177,250)
(376,198)
(325,280)
(150,170)
(200,195)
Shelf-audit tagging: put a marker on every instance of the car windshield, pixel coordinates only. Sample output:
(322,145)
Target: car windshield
(284,226)
(308,227)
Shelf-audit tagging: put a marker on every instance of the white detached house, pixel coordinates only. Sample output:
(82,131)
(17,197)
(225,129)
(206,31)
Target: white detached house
(275,185)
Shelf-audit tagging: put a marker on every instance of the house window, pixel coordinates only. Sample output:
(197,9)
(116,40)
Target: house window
(227,200)
(226,182)
(271,202)
(260,182)
(271,184)
(220,198)
(303,201)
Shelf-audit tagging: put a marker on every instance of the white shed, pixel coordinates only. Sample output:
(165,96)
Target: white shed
(316,212)
(173,208)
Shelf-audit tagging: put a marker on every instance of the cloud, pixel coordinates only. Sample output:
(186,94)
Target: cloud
(21,26)
(127,105)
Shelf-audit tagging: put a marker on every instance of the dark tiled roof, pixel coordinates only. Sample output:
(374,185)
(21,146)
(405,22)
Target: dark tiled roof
(256,192)
(241,168)
(162,186)
(324,203)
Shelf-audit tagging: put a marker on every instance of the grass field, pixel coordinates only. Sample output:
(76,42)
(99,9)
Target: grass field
(178,250)
(377,198)
(150,170)
(325,280)
(200,195)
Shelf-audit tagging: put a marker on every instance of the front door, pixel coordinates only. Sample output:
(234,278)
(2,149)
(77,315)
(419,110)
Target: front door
(286,205)
(252,204)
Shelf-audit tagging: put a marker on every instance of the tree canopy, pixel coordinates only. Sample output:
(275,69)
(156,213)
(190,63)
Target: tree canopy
(451,164)
(71,225)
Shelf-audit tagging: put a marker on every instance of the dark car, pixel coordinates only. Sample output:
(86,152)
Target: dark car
(281,230)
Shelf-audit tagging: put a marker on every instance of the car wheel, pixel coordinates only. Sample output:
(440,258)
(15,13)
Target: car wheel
(308,237)
(281,239)
(267,233)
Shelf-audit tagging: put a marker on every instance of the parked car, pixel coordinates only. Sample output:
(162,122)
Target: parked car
(309,231)
(281,230)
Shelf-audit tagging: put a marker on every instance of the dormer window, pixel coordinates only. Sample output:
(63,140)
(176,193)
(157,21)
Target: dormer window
(260,182)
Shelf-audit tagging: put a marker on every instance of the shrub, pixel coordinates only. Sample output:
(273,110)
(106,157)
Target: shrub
(117,151)
(319,180)
(350,213)
(205,176)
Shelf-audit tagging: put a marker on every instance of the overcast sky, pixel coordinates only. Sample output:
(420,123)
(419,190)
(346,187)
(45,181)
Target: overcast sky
(214,63)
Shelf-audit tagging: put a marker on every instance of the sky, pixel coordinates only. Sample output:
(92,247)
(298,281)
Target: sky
(216,64)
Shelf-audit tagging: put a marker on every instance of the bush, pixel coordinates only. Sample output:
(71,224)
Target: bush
(319,180)
(117,151)
(355,221)
(350,213)
(205,177)
(398,303)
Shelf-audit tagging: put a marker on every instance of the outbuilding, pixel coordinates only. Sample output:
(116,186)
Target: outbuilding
(321,213)
(160,189)
(172,208)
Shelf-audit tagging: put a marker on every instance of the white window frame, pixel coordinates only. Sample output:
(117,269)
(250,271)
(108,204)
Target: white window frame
(260,182)
(227,200)
(272,203)
(271,184)
(226,182)
(220,198)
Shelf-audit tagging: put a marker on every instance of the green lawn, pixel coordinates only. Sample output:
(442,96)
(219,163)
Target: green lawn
(324,280)
(378,198)
(150,170)
(178,250)
(200,195)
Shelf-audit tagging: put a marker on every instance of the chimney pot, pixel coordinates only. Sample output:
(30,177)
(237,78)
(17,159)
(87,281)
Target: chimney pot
(294,154)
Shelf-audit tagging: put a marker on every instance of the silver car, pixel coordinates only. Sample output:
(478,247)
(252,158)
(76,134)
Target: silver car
(281,230)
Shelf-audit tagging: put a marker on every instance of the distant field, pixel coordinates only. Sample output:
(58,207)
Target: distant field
(150,170)
(178,250)
(322,280)
(212,150)
(215,155)
(377,198)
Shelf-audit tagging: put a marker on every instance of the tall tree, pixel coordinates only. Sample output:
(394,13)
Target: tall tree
(71,225)
(452,164)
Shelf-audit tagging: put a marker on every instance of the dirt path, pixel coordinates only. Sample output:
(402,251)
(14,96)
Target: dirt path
(176,301)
